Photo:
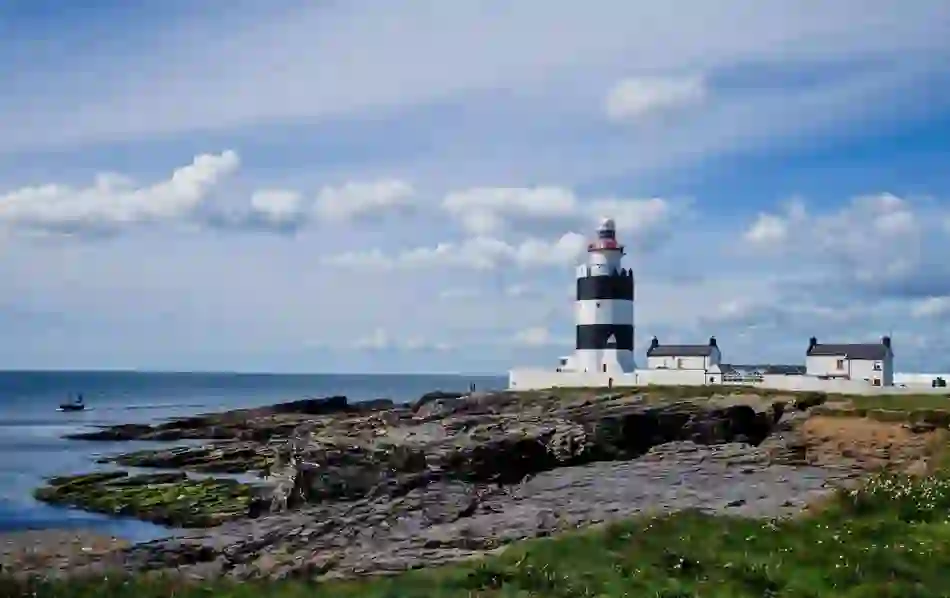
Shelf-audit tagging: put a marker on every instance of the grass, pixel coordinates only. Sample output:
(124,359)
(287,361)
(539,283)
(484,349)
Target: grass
(165,498)
(891,537)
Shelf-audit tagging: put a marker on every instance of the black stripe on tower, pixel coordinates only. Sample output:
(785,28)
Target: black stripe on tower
(598,336)
(605,287)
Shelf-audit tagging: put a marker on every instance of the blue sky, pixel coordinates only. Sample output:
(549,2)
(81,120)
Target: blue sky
(404,186)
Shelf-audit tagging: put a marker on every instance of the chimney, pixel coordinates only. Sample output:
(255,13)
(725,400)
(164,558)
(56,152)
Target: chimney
(654,343)
(712,341)
(812,342)
(886,341)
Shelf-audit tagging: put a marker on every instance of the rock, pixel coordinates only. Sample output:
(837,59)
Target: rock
(920,427)
(322,406)
(373,405)
(120,432)
(258,424)
(435,395)
(451,520)
(807,400)
(237,457)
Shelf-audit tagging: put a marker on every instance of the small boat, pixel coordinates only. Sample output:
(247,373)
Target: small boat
(77,405)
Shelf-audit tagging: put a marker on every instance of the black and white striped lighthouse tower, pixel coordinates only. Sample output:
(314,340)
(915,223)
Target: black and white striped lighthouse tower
(604,307)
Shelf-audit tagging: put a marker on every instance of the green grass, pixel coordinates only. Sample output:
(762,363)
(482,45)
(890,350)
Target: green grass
(890,538)
(895,401)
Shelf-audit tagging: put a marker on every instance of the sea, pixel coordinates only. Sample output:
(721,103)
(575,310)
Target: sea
(32,447)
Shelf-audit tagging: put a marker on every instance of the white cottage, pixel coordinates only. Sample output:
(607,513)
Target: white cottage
(871,362)
(687,358)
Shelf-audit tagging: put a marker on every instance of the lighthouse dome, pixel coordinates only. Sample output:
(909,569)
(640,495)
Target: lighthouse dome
(607,224)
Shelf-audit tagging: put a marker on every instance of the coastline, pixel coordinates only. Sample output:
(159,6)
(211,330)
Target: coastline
(356,489)
(32,447)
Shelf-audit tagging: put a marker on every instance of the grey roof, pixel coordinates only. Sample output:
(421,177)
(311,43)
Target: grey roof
(851,351)
(679,351)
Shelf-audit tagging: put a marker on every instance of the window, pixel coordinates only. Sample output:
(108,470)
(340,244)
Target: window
(679,363)
(840,364)
(605,368)
(877,366)
(877,382)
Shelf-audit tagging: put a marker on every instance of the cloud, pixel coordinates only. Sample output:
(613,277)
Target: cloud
(931,307)
(278,206)
(879,242)
(406,55)
(767,230)
(114,202)
(487,211)
(476,253)
(381,340)
(362,201)
(637,98)
(377,340)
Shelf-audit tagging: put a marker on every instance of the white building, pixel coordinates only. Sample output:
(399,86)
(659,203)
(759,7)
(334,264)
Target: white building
(683,357)
(694,361)
(870,362)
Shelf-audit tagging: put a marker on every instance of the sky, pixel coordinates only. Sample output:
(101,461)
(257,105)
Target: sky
(406,186)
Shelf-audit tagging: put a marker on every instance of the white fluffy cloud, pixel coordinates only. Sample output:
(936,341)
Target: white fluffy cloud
(864,223)
(278,207)
(356,200)
(880,241)
(495,210)
(637,98)
(113,201)
(486,211)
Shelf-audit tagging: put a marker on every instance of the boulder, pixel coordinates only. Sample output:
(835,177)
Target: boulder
(435,395)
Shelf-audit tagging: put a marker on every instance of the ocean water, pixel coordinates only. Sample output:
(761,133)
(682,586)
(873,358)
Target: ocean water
(32,446)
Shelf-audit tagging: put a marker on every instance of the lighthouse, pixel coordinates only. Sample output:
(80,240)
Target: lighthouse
(604,307)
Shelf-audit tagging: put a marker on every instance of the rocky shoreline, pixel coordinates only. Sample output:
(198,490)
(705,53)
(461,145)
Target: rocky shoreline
(368,488)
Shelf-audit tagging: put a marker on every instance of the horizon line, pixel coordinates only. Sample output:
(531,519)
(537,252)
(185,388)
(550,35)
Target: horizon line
(235,372)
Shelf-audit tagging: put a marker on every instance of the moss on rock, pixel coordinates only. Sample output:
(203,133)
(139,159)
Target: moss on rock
(165,498)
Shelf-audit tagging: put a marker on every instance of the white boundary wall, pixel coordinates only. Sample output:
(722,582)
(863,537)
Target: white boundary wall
(529,379)
(535,379)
